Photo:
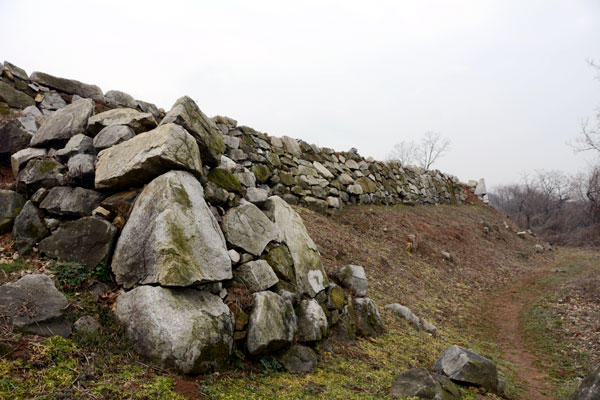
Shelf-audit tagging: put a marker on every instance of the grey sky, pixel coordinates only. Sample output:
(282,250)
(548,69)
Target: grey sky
(506,81)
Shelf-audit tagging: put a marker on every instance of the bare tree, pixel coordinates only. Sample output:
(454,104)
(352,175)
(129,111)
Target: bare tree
(589,138)
(425,153)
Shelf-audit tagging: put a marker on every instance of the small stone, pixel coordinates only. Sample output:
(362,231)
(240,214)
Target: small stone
(353,277)
(312,321)
(86,324)
(234,256)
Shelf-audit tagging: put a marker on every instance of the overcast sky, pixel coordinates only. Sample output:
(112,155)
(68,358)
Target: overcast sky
(506,81)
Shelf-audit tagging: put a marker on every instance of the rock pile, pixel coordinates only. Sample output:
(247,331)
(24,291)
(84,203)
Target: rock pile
(193,215)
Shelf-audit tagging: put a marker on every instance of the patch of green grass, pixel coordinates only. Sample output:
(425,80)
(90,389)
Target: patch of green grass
(16,266)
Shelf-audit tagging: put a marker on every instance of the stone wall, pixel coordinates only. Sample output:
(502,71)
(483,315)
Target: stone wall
(193,216)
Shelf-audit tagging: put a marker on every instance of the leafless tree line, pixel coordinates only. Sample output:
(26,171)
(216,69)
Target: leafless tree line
(423,153)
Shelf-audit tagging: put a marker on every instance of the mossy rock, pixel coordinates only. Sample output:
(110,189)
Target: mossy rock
(262,172)
(280,259)
(286,179)
(225,180)
(4,109)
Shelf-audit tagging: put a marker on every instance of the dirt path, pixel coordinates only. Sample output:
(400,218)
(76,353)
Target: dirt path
(505,309)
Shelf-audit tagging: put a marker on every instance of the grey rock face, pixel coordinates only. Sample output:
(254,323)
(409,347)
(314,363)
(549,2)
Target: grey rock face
(13,138)
(138,121)
(312,321)
(249,228)
(298,359)
(45,173)
(71,201)
(11,204)
(181,328)
(15,71)
(86,324)
(45,305)
(29,228)
(81,166)
(353,277)
(69,86)
(308,268)
(116,98)
(465,366)
(146,156)
(64,124)
(78,144)
(185,112)
(256,276)
(112,135)
(404,312)
(18,159)
(419,382)
(52,101)
(589,389)
(87,241)
(272,324)
(367,318)
(14,97)
(171,237)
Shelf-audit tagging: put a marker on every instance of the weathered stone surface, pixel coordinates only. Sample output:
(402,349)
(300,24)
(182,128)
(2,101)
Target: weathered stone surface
(464,366)
(138,121)
(298,359)
(116,98)
(69,86)
(78,144)
(249,228)
(71,201)
(120,204)
(13,138)
(589,389)
(14,97)
(353,277)
(171,238)
(367,318)
(18,159)
(147,155)
(29,228)
(308,268)
(419,382)
(181,328)
(280,259)
(354,189)
(404,312)
(45,304)
(15,71)
(291,146)
(11,204)
(112,135)
(52,101)
(185,112)
(312,321)
(88,241)
(368,186)
(256,276)
(272,325)
(64,124)
(87,325)
(256,195)
(150,108)
(81,166)
(45,173)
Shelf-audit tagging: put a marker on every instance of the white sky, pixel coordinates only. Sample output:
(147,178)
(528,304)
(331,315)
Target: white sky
(506,81)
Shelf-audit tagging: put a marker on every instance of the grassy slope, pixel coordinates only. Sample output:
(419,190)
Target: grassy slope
(449,294)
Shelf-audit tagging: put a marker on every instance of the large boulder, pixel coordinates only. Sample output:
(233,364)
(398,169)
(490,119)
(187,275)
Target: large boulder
(112,135)
(366,317)
(146,156)
(589,389)
(464,366)
(71,201)
(181,328)
(14,97)
(256,276)
(40,173)
(29,228)
(272,324)
(312,321)
(13,138)
(353,278)
(34,305)
(185,112)
(171,237)
(64,124)
(88,241)
(11,204)
(116,98)
(138,121)
(249,228)
(69,86)
(308,268)
(419,382)
(298,359)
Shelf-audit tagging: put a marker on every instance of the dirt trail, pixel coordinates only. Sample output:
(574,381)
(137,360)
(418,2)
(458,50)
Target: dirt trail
(505,309)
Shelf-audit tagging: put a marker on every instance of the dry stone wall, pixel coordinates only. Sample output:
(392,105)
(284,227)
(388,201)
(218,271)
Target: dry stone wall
(194,217)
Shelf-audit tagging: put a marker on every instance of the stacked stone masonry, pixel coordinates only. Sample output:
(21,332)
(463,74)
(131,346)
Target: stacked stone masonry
(193,214)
